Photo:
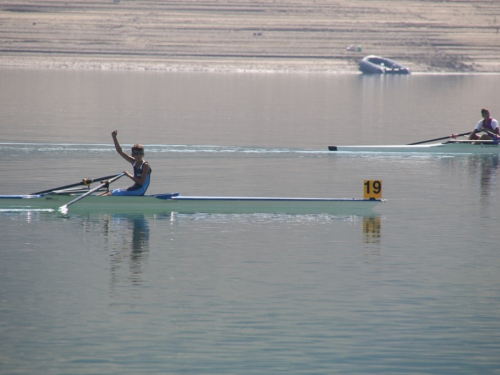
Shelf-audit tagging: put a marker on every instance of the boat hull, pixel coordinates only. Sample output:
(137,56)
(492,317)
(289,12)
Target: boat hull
(189,204)
(436,148)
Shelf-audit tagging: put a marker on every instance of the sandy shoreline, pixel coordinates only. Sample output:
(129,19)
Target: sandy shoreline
(178,65)
(250,36)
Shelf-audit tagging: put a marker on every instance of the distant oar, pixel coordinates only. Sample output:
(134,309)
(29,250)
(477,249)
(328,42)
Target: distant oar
(437,139)
(64,209)
(85,181)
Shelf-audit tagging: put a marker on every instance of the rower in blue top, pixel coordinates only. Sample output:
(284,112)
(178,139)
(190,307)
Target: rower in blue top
(142,170)
(488,125)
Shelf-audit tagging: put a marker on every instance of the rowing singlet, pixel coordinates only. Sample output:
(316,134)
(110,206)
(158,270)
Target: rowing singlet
(487,124)
(136,189)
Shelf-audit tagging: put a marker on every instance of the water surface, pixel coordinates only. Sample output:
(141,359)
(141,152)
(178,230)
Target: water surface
(412,288)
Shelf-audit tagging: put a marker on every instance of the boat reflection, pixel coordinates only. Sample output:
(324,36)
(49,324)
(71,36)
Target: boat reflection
(484,169)
(487,167)
(483,172)
(481,167)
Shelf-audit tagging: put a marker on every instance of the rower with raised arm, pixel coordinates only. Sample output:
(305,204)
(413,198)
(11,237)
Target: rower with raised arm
(488,124)
(142,170)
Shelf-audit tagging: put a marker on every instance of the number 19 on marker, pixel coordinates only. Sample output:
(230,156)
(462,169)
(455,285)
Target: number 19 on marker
(372,189)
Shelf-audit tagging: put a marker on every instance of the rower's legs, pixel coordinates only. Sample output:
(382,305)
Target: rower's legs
(484,137)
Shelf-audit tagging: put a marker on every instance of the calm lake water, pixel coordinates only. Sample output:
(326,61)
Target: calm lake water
(412,289)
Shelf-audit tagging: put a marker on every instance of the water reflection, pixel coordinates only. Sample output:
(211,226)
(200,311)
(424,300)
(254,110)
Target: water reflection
(128,237)
(484,170)
(482,176)
(487,167)
(487,170)
(372,227)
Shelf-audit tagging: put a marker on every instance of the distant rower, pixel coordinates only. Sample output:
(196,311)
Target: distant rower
(486,124)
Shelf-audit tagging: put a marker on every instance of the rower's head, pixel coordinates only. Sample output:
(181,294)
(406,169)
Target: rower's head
(485,112)
(138,151)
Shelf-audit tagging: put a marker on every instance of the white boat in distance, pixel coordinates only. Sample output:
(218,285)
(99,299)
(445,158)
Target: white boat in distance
(187,204)
(448,147)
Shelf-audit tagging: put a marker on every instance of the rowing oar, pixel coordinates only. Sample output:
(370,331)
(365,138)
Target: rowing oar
(85,181)
(438,139)
(64,209)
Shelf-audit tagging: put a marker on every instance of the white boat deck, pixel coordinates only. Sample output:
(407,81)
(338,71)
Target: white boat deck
(451,147)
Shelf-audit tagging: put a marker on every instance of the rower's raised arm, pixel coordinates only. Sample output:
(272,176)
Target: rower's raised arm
(118,148)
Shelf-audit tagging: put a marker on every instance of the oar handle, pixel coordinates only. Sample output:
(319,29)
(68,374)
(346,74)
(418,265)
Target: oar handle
(85,181)
(65,207)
